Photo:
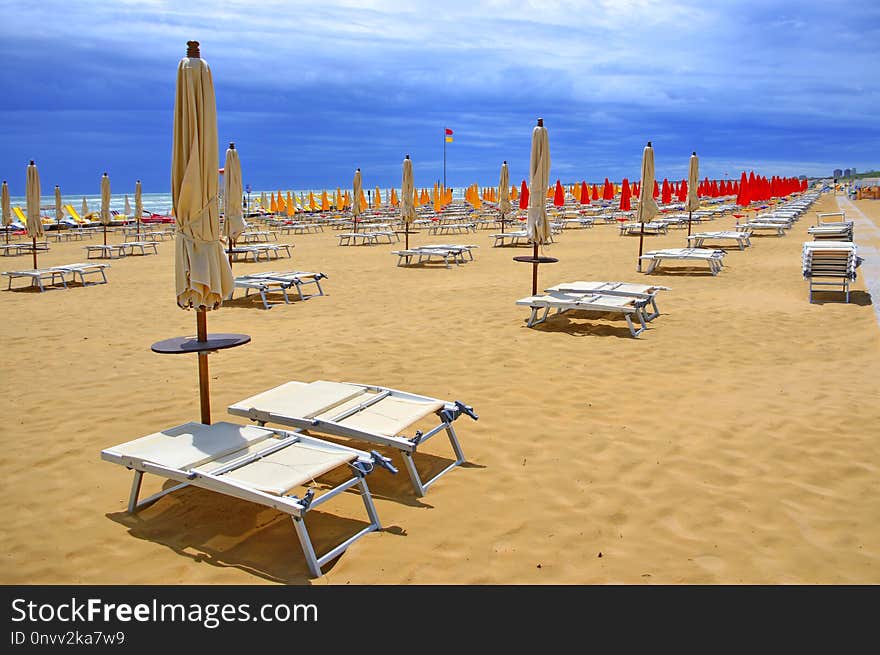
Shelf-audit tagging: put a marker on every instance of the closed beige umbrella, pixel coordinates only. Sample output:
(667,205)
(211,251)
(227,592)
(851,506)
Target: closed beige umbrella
(32,200)
(85,208)
(105,204)
(407,189)
(203,277)
(233,220)
(5,208)
(647,208)
(504,193)
(356,207)
(693,197)
(138,207)
(59,209)
(127,207)
(538,227)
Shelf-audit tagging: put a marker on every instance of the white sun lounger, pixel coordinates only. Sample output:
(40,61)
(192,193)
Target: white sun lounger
(251,463)
(104,252)
(129,247)
(374,414)
(37,276)
(516,238)
(83,269)
(646,292)
(425,254)
(712,257)
(741,237)
(591,302)
(771,226)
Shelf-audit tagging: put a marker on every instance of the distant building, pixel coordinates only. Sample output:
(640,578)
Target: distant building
(837,173)
(847,172)
(853,170)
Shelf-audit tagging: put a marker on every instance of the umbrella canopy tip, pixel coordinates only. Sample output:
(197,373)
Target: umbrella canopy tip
(407,157)
(649,144)
(540,122)
(231,145)
(32,163)
(192,49)
(694,153)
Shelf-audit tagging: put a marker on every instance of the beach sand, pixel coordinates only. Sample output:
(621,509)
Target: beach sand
(735,441)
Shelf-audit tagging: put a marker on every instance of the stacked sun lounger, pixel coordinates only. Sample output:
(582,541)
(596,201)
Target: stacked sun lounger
(740,237)
(646,292)
(651,227)
(832,231)
(278,281)
(627,306)
(457,254)
(712,257)
(835,262)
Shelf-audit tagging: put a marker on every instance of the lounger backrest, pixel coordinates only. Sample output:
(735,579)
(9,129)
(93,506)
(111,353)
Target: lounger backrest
(299,400)
(191,444)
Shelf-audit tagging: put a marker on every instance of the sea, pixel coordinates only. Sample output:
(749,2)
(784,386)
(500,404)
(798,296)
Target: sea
(160,203)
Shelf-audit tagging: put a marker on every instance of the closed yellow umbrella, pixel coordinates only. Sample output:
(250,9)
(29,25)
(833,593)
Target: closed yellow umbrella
(5,209)
(32,205)
(504,193)
(693,197)
(138,207)
(325,201)
(233,217)
(647,208)
(339,200)
(357,206)
(273,206)
(407,194)
(291,205)
(394,200)
(312,204)
(105,204)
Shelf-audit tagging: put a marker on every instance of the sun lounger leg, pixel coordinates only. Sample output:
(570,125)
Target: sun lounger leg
(456,446)
(413,474)
(368,503)
(265,301)
(135,491)
(306,543)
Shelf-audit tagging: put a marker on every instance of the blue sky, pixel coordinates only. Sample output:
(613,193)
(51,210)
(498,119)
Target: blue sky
(309,91)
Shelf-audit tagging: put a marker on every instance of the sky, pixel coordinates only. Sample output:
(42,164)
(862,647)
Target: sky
(309,91)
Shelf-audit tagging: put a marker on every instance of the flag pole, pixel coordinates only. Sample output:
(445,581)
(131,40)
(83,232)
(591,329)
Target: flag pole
(444,157)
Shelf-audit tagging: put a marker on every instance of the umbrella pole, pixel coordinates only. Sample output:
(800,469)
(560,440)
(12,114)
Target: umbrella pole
(202,335)
(641,240)
(690,215)
(406,232)
(535,268)
(35,253)
(231,246)
(138,227)
(105,235)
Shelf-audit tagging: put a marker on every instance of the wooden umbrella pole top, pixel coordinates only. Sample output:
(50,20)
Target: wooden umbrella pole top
(540,122)
(649,144)
(32,162)
(192,49)
(231,145)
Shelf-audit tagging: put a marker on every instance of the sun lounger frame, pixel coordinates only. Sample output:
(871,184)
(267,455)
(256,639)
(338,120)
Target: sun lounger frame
(407,446)
(295,507)
(581,302)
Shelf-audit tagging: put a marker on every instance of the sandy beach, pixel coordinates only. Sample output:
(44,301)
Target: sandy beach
(734,442)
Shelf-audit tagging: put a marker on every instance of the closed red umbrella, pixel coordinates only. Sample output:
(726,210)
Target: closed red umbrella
(625,196)
(682,191)
(524,195)
(715,190)
(558,195)
(585,194)
(666,194)
(656,189)
(595,192)
(742,196)
(608,190)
